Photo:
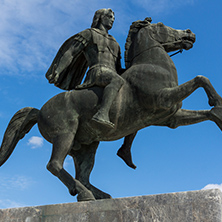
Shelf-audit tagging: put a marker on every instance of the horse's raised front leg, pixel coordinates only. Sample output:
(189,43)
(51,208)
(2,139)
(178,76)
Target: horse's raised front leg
(185,117)
(171,96)
(61,146)
(84,161)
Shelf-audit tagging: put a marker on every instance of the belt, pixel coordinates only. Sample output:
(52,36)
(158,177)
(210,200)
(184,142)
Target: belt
(101,65)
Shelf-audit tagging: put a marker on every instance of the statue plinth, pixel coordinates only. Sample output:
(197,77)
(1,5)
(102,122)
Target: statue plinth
(203,205)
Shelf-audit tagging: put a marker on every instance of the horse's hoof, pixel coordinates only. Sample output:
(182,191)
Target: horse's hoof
(85,196)
(216,114)
(73,192)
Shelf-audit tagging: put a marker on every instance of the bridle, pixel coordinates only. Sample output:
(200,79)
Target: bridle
(162,47)
(179,51)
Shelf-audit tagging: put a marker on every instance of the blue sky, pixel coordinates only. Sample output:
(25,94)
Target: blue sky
(187,158)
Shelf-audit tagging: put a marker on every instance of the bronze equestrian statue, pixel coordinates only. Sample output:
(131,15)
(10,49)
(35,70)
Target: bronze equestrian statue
(148,94)
(97,50)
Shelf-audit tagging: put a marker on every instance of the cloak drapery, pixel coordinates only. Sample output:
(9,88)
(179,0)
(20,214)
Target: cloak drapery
(72,74)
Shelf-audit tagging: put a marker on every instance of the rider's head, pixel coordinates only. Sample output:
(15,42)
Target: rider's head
(103,15)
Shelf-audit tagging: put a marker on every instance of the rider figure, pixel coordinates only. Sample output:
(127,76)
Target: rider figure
(96,49)
(103,57)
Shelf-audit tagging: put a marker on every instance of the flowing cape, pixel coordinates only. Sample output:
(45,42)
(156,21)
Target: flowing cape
(72,74)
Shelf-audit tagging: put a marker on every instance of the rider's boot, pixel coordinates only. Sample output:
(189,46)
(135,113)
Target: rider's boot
(102,117)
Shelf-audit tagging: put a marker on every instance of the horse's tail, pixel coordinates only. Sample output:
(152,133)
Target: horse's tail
(20,124)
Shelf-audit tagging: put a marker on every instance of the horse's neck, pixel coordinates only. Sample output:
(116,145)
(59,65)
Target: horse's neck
(150,71)
(155,55)
(146,50)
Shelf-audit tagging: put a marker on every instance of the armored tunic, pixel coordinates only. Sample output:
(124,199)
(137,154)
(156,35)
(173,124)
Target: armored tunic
(91,48)
(103,56)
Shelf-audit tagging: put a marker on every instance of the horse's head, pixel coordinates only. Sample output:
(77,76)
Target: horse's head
(171,39)
(144,36)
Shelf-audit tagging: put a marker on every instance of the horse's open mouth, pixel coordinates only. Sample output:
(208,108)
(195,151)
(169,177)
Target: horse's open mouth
(189,39)
(188,42)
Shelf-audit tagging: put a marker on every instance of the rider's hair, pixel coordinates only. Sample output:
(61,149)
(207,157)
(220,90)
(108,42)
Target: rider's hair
(97,16)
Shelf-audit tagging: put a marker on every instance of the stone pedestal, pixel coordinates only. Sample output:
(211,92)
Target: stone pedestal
(193,206)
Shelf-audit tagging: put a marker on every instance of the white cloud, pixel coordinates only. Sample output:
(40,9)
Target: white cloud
(21,182)
(32,31)
(7,203)
(35,142)
(18,182)
(213,186)
(68,161)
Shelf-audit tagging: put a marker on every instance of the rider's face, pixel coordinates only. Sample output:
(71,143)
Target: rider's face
(107,20)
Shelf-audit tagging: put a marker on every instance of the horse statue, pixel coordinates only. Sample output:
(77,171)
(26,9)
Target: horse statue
(149,96)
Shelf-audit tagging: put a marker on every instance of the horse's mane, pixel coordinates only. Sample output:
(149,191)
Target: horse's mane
(134,28)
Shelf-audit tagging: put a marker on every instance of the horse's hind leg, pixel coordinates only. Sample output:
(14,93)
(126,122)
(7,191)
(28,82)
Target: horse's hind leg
(171,96)
(61,146)
(84,161)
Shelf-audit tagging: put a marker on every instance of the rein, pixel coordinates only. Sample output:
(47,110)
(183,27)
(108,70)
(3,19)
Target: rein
(145,51)
(162,47)
(179,51)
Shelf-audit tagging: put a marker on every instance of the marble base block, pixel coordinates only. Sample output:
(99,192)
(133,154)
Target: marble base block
(192,206)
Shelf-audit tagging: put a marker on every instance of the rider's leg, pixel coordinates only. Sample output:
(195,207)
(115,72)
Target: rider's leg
(84,161)
(110,92)
(171,96)
(124,151)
